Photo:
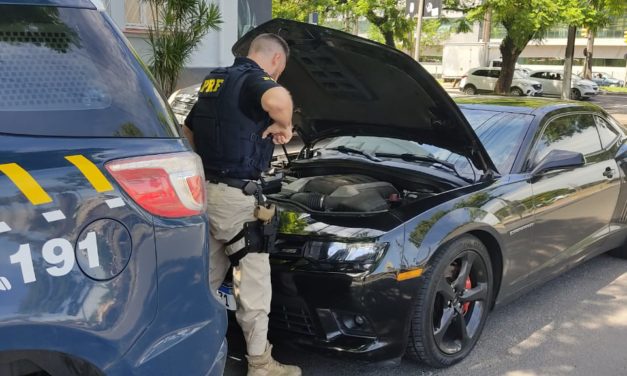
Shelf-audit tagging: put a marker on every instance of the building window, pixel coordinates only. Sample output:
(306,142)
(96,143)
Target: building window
(138,14)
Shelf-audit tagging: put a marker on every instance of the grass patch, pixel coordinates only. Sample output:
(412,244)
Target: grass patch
(614,89)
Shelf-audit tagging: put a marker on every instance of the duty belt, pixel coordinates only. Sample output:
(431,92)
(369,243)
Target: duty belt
(249,187)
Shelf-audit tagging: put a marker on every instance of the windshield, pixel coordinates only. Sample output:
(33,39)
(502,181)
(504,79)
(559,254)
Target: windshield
(501,134)
(66,72)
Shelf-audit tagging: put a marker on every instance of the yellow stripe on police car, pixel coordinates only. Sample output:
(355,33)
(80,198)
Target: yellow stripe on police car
(25,183)
(91,173)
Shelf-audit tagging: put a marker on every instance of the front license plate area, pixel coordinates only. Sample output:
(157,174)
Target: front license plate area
(225,293)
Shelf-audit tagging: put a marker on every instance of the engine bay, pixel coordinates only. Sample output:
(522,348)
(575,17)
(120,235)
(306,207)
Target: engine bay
(346,193)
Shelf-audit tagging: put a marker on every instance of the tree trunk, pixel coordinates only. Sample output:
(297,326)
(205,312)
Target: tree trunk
(389,38)
(587,67)
(509,53)
(568,62)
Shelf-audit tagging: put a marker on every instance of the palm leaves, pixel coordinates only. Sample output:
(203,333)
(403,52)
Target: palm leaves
(177,28)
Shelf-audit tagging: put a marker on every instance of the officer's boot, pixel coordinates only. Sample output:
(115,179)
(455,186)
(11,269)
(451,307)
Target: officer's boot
(265,365)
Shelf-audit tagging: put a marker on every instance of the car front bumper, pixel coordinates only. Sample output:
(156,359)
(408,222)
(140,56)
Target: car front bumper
(533,92)
(366,317)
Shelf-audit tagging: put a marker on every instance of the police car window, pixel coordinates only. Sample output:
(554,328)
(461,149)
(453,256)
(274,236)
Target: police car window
(65,72)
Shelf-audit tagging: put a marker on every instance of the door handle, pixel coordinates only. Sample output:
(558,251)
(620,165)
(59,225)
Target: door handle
(608,173)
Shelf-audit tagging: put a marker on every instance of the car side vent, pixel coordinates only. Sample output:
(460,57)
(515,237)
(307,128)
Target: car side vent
(46,70)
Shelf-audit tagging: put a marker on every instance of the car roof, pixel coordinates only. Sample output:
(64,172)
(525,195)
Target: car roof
(536,106)
(86,4)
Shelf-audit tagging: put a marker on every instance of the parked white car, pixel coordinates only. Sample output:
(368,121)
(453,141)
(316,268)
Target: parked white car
(552,82)
(483,80)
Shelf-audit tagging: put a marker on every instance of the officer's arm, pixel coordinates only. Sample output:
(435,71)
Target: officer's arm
(189,135)
(277,102)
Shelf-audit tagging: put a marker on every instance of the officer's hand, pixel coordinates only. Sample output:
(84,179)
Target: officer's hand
(280,134)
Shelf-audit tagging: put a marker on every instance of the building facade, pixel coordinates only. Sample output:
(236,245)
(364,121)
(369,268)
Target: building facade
(610,50)
(238,16)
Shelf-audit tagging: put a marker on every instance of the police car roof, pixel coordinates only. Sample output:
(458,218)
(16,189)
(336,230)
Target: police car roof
(87,4)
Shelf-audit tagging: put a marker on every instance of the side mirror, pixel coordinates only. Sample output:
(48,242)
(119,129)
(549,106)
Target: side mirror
(557,160)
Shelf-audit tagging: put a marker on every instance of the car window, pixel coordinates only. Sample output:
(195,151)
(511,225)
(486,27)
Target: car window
(517,74)
(539,75)
(575,133)
(66,72)
(495,73)
(481,73)
(606,131)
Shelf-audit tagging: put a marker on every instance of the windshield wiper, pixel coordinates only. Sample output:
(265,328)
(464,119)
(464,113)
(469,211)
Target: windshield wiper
(347,150)
(422,158)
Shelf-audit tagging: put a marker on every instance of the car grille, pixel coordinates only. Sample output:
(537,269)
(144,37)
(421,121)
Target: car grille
(537,86)
(294,319)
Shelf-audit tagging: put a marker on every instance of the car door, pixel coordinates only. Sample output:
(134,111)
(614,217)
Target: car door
(557,81)
(480,79)
(541,77)
(573,207)
(493,76)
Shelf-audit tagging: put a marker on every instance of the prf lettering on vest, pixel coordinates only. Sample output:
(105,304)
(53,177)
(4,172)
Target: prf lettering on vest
(211,85)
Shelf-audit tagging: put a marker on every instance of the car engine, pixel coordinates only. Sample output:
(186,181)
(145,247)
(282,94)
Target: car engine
(341,193)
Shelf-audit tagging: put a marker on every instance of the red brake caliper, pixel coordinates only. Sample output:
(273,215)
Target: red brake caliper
(466,306)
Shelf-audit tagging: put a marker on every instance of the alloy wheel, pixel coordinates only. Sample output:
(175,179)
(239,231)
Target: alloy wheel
(460,303)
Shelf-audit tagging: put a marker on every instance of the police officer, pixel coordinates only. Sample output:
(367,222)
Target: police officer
(240,114)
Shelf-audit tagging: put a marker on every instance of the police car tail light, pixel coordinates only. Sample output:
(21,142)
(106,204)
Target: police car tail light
(166,185)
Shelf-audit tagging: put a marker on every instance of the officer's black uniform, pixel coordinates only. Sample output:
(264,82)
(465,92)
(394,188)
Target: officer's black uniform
(228,121)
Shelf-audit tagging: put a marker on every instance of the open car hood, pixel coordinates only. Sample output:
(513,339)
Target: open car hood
(342,85)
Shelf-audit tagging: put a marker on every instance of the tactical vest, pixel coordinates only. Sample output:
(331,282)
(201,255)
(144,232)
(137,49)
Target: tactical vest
(228,141)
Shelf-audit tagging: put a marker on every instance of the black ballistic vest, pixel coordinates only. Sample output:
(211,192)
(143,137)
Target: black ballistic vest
(228,141)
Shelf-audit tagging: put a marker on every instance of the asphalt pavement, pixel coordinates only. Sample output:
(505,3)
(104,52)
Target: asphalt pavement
(574,325)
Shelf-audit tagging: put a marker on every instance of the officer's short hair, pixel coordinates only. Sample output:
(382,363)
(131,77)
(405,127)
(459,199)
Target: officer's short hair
(259,43)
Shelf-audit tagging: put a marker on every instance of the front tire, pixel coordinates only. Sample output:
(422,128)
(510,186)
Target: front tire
(516,91)
(452,304)
(575,94)
(470,90)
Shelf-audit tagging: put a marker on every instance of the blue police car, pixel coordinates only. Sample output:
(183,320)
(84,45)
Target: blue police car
(103,236)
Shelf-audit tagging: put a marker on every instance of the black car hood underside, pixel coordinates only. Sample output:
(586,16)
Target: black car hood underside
(346,85)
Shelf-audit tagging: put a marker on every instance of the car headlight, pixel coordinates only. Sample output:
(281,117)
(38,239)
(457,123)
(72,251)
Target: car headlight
(345,256)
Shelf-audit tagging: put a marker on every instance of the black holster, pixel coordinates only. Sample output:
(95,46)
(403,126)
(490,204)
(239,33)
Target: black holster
(259,237)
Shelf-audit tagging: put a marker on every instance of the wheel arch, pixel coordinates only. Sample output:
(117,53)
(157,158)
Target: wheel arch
(20,362)
(66,342)
(474,221)
(496,258)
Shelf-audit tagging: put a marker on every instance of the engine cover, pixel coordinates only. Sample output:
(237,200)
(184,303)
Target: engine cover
(342,193)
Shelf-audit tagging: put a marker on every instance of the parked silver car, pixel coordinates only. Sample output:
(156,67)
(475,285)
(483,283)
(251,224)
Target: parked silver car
(552,82)
(483,80)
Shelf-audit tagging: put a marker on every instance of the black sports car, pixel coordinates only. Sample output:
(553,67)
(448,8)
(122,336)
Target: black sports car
(407,217)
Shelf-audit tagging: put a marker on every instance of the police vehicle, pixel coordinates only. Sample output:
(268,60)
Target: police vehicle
(103,236)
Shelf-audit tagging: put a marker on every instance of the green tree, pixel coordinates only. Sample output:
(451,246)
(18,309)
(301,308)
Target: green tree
(434,32)
(598,14)
(389,17)
(523,20)
(177,28)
